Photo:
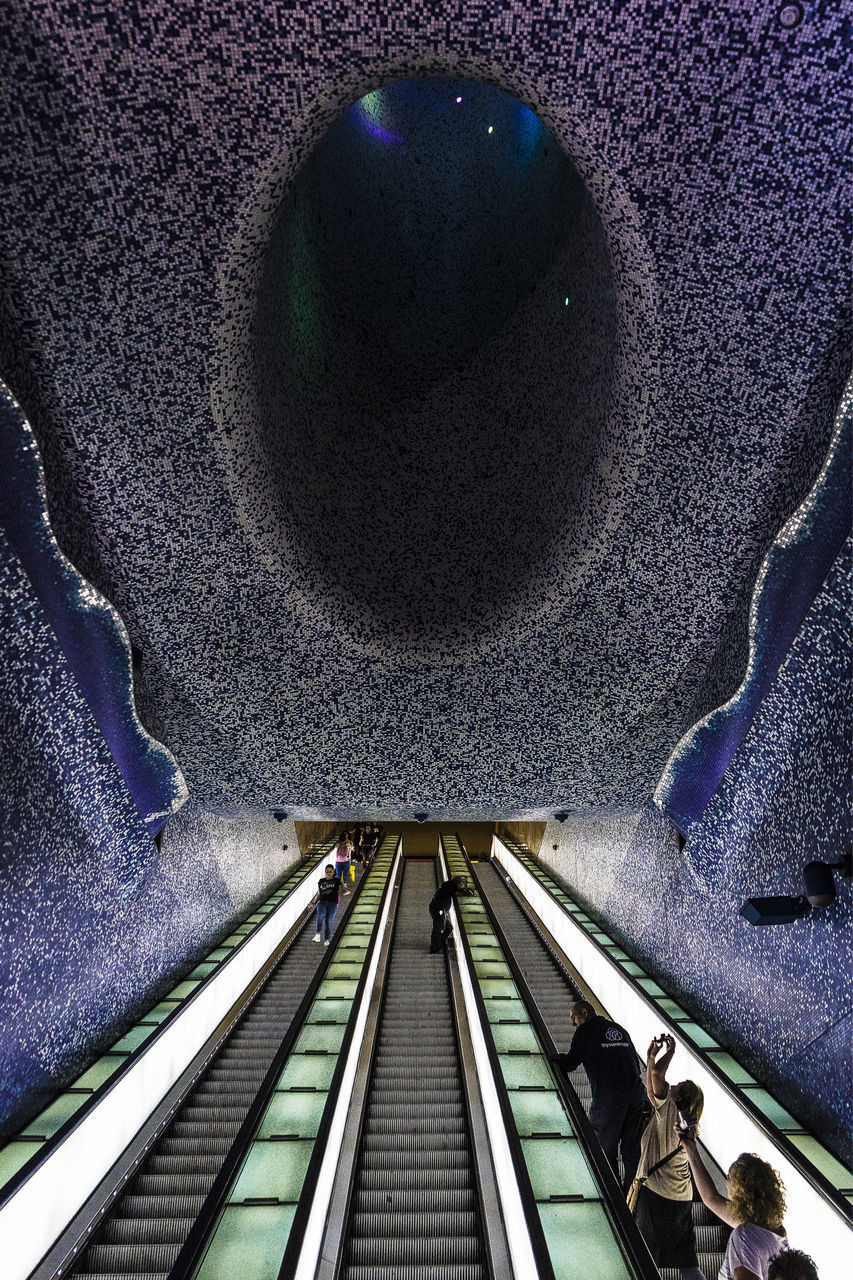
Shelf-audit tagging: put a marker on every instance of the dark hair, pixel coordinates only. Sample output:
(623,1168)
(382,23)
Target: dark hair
(691,1100)
(584,1005)
(330,866)
(792,1264)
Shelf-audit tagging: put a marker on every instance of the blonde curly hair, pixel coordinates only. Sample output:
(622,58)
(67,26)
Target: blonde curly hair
(756,1193)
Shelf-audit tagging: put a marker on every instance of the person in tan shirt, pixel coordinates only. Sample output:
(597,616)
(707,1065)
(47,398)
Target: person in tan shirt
(664,1210)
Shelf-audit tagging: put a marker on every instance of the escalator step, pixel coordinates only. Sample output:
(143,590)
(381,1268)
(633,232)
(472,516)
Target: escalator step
(404,1250)
(407,1172)
(145,1231)
(444,1271)
(126,1259)
(170,1206)
(419,1200)
(413,1225)
(428,1145)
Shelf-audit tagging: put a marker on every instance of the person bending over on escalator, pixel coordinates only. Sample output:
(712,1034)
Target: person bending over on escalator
(754,1206)
(664,1209)
(605,1050)
(440,906)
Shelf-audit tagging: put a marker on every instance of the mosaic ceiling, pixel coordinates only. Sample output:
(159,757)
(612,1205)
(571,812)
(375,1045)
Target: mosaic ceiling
(424,388)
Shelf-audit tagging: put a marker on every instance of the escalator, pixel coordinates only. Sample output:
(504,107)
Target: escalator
(553,991)
(414,1207)
(150,1221)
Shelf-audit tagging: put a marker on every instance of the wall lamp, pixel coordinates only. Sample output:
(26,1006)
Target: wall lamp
(819,888)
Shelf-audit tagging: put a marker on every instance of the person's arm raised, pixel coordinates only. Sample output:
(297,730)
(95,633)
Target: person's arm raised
(656,1085)
(704,1183)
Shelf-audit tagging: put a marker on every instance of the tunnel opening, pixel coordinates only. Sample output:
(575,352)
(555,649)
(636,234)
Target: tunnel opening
(435,343)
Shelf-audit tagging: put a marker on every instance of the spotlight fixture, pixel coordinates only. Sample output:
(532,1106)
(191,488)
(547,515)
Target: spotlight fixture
(779,910)
(819,888)
(818,881)
(790,15)
(561,816)
(421,817)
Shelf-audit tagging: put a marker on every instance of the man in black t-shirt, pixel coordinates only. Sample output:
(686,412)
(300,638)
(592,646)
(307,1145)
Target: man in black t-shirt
(605,1050)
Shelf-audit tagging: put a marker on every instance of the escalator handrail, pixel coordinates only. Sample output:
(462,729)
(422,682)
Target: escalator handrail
(818,1182)
(193,1248)
(88,1104)
(613,1197)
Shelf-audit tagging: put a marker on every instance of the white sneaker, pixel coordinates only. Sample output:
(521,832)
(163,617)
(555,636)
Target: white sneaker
(316,938)
(326,943)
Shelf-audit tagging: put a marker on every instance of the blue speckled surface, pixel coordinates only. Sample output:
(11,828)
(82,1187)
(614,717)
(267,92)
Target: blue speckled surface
(90,633)
(791,576)
(780,996)
(551,580)
(709,142)
(80,954)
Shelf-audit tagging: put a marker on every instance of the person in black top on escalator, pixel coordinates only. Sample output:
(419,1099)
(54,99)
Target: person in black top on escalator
(605,1050)
(326,900)
(439,907)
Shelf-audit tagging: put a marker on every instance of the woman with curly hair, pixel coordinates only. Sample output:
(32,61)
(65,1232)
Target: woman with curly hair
(755,1207)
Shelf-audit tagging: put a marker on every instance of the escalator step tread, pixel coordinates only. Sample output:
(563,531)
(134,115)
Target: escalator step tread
(414,1213)
(445,1271)
(553,993)
(435,1250)
(164,1206)
(418,1223)
(130,1258)
(144,1231)
(418,1200)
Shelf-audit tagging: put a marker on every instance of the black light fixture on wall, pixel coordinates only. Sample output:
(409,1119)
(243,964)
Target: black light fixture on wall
(819,892)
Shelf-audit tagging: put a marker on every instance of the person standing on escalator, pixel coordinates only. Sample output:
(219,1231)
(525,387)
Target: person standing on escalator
(343,854)
(605,1050)
(664,1208)
(326,900)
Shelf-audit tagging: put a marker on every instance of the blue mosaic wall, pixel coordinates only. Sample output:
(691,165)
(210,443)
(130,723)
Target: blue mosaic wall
(81,955)
(548,637)
(90,633)
(780,996)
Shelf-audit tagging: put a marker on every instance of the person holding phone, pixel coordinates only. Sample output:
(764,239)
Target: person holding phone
(664,1209)
(754,1206)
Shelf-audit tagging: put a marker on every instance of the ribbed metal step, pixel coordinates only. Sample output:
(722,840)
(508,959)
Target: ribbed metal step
(150,1222)
(414,1213)
(553,992)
